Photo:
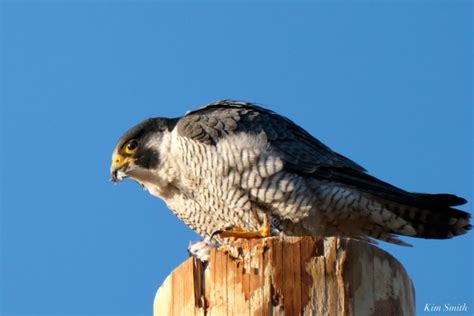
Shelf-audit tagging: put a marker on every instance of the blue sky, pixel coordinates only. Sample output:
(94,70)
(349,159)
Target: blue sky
(388,85)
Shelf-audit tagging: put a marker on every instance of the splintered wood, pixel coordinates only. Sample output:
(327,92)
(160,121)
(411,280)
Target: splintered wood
(289,276)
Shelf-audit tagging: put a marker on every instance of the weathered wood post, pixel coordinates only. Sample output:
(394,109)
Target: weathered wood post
(289,276)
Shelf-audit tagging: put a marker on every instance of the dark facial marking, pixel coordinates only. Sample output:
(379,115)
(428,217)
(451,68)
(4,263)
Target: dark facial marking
(148,158)
(152,125)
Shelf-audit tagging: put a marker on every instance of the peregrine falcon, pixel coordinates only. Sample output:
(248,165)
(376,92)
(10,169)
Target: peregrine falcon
(241,170)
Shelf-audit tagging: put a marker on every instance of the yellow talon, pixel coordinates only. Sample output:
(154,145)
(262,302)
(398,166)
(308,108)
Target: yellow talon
(238,232)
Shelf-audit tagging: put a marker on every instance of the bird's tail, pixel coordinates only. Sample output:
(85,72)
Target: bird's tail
(397,212)
(432,215)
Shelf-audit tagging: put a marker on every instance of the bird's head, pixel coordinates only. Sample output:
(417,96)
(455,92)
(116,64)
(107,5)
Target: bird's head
(138,151)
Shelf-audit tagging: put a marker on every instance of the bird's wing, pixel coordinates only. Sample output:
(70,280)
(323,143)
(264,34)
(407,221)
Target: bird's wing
(300,152)
(304,155)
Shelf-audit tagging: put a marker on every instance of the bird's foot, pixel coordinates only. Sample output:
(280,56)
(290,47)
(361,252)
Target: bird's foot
(237,232)
(201,250)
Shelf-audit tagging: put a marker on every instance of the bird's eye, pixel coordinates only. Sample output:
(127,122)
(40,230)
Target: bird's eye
(131,146)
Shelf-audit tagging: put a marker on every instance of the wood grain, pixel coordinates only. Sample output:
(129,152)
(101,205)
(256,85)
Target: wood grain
(289,276)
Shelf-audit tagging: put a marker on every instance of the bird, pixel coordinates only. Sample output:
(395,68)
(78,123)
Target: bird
(234,169)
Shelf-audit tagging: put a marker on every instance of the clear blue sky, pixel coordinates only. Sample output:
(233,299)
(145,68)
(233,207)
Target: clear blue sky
(389,85)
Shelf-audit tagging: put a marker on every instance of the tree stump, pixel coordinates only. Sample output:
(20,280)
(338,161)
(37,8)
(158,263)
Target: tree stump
(289,276)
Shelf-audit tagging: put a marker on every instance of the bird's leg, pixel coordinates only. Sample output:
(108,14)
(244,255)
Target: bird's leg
(237,232)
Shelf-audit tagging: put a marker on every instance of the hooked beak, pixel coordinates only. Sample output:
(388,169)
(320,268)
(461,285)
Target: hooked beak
(119,167)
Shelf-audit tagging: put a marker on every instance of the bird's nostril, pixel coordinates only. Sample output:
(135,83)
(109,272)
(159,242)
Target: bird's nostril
(116,159)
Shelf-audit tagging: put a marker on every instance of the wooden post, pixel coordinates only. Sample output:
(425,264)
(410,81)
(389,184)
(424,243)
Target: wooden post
(289,276)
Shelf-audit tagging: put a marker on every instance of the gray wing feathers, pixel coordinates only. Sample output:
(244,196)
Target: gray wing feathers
(301,152)
(431,215)
(208,127)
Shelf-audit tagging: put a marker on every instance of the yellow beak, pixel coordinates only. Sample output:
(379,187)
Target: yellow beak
(118,162)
